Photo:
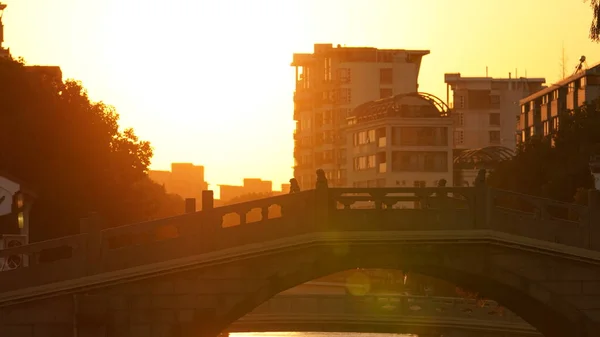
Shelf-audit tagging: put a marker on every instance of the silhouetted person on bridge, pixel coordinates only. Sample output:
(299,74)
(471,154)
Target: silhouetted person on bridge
(294,186)
(442,183)
(480,179)
(321,180)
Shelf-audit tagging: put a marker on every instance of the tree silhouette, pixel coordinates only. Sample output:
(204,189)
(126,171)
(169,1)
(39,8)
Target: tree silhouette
(595,26)
(71,152)
(555,167)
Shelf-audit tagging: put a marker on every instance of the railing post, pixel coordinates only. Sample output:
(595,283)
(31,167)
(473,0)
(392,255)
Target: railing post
(482,206)
(92,226)
(190,205)
(208,200)
(208,204)
(594,218)
(322,207)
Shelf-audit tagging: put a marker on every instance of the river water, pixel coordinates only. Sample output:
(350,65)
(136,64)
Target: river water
(315,334)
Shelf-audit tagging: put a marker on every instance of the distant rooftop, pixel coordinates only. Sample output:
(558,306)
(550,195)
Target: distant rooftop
(456,77)
(357,54)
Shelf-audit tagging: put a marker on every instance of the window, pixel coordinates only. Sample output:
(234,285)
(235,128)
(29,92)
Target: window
(364,162)
(345,96)
(495,101)
(345,75)
(494,137)
(461,102)
(364,137)
(459,137)
(458,119)
(385,92)
(386,76)
(495,119)
(327,70)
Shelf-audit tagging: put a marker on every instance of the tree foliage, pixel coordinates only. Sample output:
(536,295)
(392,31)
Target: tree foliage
(595,26)
(555,167)
(71,152)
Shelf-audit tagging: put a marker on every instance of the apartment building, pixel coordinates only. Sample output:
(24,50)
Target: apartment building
(540,110)
(330,83)
(404,141)
(185,179)
(485,108)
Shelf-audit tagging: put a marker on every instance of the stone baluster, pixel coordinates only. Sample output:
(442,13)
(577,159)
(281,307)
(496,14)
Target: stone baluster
(208,200)
(92,226)
(190,205)
(211,219)
(264,213)
(322,207)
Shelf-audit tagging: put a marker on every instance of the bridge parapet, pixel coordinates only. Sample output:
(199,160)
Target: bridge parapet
(332,209)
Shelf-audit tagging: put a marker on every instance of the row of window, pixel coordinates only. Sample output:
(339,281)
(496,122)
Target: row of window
(420,136)
(555,94)
(405,136)
(364,162)
(420,161)
(493,119)
(477,100)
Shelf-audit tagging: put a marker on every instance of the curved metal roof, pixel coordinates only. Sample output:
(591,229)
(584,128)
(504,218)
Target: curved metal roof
(410,105)
(484,155)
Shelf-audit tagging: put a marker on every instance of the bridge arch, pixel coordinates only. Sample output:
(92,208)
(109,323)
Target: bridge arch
(549,314)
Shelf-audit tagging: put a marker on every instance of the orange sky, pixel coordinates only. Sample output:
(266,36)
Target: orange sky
(209,82)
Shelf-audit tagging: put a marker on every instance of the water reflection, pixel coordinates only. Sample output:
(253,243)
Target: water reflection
(315,334)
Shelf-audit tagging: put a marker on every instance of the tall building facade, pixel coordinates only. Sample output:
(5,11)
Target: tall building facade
(485,109)
(330,83)
(403,141)
(540,110)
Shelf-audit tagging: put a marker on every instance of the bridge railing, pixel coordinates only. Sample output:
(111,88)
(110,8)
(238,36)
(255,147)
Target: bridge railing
(334,209)
(430,208)
(387,305)
(96,251)
(540,218)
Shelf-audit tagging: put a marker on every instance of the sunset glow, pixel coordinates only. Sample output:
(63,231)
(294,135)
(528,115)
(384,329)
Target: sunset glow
(210,82)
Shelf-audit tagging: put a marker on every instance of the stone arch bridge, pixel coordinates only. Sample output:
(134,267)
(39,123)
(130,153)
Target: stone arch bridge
(198,273)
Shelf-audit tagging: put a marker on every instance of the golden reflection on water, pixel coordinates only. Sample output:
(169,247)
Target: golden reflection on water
(315,334)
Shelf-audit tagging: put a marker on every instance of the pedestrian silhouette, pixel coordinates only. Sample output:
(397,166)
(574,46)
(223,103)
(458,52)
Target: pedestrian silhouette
(480,179)
(321,180)
(294,187)
(442,183)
